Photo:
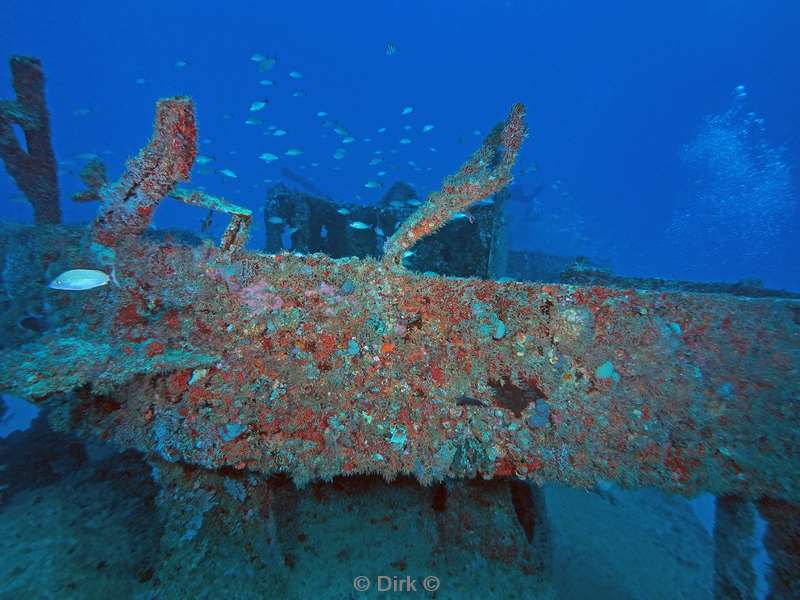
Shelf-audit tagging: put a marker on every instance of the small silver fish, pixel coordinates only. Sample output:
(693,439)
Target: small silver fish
(279,132)
(339,154)
(405,141)
(275,220)
(181,64)
(296,75)
(259,105)
(348,140)
(359,225)
(343,211)
(294,152)
(266,82)
(391,48)
(407,110)
(266,64)
(79,279)
(372,185)
(268,157)
(427,128)
(322,113)
(228,173)
(203,160)
(254,122)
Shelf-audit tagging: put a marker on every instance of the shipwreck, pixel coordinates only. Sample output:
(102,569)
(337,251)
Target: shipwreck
(223,364)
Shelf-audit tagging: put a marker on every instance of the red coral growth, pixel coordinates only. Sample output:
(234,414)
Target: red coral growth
(179,381)
(503,467)
(172,319)
(676,463)
(154,348)
(198,394)
(437,375)
(128,316)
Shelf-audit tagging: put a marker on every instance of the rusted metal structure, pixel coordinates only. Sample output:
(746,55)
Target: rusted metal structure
(472,245)
(32,165)
(316,367)
(228,359)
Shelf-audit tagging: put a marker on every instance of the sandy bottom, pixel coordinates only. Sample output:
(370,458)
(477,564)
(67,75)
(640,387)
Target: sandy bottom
(628,545)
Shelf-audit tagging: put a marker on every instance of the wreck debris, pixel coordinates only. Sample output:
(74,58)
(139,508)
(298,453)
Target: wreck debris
(238,230)
(94,177)
(734,548)
(317,367)
(300,222)
(167,159)
(246,365)
(484,174)
(531,510)
(277,531)
(781,542)
(33,168)
(582,272)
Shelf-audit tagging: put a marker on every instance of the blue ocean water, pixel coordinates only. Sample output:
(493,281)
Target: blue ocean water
(664,137)
(615,92)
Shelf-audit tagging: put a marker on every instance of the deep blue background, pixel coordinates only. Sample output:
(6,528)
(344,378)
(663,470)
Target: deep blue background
(614,90)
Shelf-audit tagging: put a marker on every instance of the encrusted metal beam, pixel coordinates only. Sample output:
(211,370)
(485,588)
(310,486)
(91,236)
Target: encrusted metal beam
(32,167)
